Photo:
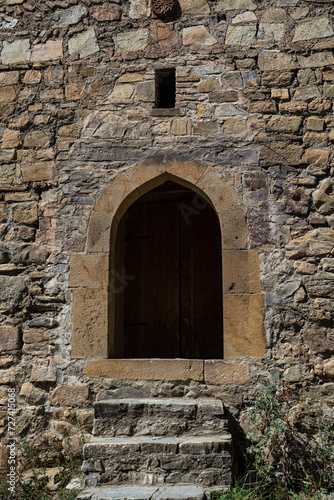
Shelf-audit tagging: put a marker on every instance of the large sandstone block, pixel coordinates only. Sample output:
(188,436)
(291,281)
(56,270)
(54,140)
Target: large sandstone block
(25,213)
(240,35)
(273,60)
(84,44)
(9,338)
(66,395)
(52,49)
(73,15)
(43,371)
(12,289)
(236,5)
(241,271)
(315,28)
(314,243)
(198,35)
(106,12)
(131,42)
(89,270)
(17,51)
(244,333)
(194,7)
(218,372)
(39,171)
(9,77)
(89,318)
(146,369)
(284,124)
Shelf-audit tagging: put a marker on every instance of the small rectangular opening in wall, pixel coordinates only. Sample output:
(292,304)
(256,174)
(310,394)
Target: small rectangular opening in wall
(165,88)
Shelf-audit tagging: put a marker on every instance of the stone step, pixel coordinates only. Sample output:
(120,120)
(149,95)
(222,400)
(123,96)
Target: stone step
(147,461)
(159,417)
(177,492)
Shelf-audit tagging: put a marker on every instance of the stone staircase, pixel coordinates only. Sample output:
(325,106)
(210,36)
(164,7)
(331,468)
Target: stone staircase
(157,449)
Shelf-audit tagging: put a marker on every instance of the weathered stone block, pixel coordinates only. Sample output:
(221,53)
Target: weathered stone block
(131,42)
(73,15)
(7,94)
(316,124)
(74,91)
(236,5)
(33,394)
(207,127)
(240,35)
(145,91)
(138,9)
(315,28)
(38,138)
(320,286)
(284,124)
(274,15)
(219,372)
(66,395)
(11,139)
(9,338)
(122,92)
(245,17)
(39,171)
(241,271)
(89,270)
(106,12)
(17,51)
(148,369)
(9,77)
(43,371)
(49,51)
(295,374)
(25,213)
(90,315)
(208,85)
(273,60)
(181,126)
(316,60)
(234,126)
(234,229)
(316,156)
(295,108)
(318,242)
(244,333)
(198,35)
(11,291)
(320,106)
(195,7)
(329,368)
(84,44)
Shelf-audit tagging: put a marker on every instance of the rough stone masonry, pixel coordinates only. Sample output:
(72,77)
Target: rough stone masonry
(254,105)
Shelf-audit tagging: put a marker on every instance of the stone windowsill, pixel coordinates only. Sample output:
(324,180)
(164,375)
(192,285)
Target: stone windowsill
(210,371)
(165,112)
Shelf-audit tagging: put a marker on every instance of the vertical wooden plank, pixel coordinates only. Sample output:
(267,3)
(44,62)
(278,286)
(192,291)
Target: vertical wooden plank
(172,305)
(201,289)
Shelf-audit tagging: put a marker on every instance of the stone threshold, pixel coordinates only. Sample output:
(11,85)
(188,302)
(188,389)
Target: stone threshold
(159,492)
(208,371)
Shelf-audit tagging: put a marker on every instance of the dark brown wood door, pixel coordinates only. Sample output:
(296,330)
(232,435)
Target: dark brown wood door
(173,303)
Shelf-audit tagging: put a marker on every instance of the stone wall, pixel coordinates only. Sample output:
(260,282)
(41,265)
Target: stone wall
(254,89)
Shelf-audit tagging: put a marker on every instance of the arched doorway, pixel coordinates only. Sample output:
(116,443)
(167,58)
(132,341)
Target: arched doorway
(169,277)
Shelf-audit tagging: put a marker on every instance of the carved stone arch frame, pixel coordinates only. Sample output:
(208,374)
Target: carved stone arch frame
(93,297)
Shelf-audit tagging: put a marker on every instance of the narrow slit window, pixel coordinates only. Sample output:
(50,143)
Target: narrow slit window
(165,88)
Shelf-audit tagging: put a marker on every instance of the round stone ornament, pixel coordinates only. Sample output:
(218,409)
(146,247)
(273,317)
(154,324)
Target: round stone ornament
(162,6)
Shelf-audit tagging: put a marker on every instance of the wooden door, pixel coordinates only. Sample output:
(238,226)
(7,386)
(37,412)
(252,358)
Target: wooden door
(173,302)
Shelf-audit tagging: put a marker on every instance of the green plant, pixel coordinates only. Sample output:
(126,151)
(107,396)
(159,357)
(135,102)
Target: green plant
(285,459)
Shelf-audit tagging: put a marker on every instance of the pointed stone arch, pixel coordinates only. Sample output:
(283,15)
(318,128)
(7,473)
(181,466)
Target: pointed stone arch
(93,300)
